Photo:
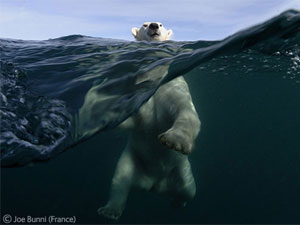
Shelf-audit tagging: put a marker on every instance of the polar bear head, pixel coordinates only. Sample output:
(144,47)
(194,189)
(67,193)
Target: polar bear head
(151,31)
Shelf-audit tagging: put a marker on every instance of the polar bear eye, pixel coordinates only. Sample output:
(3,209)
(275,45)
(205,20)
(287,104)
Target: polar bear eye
(145,25)
(160,25)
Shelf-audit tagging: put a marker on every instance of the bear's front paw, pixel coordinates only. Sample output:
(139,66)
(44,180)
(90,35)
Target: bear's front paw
(177,140)
(110,212)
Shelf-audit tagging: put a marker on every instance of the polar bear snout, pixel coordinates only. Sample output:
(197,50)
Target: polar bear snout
(153,30)
(153,26)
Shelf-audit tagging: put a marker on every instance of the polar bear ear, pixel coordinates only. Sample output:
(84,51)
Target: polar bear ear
(135,31)
(170,33)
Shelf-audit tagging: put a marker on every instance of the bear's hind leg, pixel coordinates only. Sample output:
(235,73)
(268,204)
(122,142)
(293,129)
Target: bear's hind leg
(181,185)
(120,187)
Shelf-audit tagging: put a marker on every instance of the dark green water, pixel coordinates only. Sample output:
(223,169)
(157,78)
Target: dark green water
(246,90)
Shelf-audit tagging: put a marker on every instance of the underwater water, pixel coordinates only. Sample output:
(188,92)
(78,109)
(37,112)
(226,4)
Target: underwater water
(67,94)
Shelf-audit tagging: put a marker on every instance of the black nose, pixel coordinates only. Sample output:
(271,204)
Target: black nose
(153,26)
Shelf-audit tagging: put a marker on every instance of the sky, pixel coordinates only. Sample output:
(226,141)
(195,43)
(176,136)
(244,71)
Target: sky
(189,19)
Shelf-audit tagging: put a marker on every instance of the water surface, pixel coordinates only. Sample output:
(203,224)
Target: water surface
(246,89)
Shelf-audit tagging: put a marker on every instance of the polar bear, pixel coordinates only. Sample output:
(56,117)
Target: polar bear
(162,134)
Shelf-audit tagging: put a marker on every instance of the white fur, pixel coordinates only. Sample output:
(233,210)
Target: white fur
(144,33)
(162,134)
